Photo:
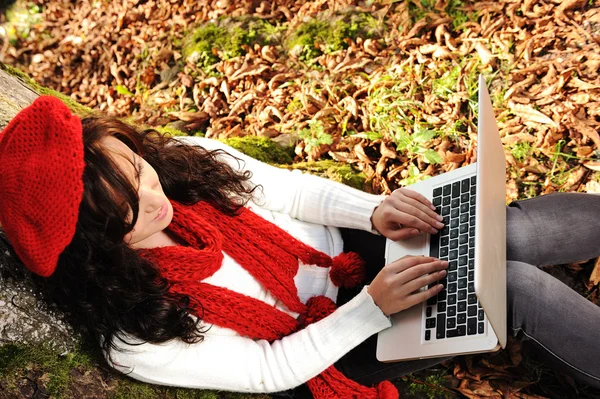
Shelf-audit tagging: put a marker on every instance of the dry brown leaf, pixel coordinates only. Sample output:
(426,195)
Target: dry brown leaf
(528,114)
(595,276)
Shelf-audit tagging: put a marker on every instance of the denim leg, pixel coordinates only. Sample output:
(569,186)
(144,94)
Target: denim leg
(553,229)
(561,324)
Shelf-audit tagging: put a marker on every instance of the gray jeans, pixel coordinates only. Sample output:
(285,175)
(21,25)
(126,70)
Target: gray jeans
(558,322)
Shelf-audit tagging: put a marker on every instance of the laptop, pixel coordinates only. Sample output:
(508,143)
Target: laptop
(469,315)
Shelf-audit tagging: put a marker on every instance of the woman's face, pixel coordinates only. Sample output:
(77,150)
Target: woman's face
(155,210)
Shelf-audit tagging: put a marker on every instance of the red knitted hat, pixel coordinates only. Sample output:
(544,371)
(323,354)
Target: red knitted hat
(41,186)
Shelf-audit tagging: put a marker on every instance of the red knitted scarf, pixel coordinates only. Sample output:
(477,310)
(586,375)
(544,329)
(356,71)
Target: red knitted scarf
(271,256)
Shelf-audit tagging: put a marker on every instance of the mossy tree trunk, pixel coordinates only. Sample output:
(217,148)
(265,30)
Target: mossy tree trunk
(23,318)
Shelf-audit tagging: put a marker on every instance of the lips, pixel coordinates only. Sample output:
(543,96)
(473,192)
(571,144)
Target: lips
(161,212)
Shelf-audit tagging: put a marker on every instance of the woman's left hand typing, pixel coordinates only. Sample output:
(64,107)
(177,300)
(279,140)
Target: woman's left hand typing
(405,214)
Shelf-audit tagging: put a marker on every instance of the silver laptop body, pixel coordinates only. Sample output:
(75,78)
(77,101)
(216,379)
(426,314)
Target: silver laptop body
(469,316)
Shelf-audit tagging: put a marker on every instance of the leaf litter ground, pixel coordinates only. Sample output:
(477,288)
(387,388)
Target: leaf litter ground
(388,87)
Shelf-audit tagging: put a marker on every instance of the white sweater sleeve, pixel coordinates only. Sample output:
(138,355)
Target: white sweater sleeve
(302,196)
(235,363)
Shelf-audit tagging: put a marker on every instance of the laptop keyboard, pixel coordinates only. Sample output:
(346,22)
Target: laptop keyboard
(455,311)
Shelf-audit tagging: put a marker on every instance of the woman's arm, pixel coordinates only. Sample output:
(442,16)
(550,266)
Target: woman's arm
(305,197)
(234,363)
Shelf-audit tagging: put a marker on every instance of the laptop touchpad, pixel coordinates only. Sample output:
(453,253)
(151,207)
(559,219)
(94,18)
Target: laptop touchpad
(415,246)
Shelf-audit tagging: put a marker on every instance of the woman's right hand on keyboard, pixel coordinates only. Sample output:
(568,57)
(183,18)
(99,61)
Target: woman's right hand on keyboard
(398,285)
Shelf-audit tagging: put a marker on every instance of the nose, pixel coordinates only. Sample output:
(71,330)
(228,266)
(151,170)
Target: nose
(151,198)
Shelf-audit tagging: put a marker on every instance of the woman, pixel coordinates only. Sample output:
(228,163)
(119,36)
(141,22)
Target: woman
(178,260)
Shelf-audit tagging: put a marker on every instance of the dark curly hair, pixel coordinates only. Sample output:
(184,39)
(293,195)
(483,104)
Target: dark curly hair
(106,289)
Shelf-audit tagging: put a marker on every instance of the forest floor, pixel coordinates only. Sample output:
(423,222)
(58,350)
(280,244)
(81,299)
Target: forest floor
(388,87)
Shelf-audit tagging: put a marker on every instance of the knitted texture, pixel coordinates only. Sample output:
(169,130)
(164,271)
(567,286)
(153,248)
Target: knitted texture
(41,186)
(271,256)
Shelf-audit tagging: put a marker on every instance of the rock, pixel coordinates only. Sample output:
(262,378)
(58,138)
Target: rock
(24,317)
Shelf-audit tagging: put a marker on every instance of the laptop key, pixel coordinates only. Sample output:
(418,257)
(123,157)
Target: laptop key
(430,323)
(462,283)
(451,323)
(463,239)
(473,180)
(451,311)
(447,189)
(472,326)
(471,264)
(465,185)
(480,315)
(440,331)
(454,214)
(480,328)
(472,299)
(453,244)
(445,211)
(452,334)
(454,203)
(454,224)
(464,208)
(471,231)
(464,228)
(470,287)
(434,245)
(444,241)
(472,311)
(451,288)
(462,272)
(452,277)
(464,218)
(462,261)
(472,200)
(461,331)
(453,233)
(471,241)
(453,253)
(452,299)
(436,201)
(443,252)
(471,276)
(427,335)
(463,250)
(461,318)
(472,211)
(446,201)
(464,198)
(441,307)
(473,190)
(428,311)
(452,265)
(462,306)
(437,191)
(462,295)
(432,301)
(446,230)
(442,295)
(455,189)
(472,253)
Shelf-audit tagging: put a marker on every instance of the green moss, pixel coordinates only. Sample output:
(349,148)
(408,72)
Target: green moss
(261,148)
(15,357)
(170,130)
(335,171)
(73,105)
(325,35)
(213,42)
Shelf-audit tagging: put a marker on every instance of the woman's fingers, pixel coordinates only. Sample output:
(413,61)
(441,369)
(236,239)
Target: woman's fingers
(422,296)
(416,196)
(434,218)
(420,270)
(409,216)
(403,233)
(422,281)
(407,262)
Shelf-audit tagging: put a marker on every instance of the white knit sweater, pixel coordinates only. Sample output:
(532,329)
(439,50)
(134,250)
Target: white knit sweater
(309,208)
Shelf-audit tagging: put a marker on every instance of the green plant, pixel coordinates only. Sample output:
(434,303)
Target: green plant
(521,150)
(322,35)
(314,135)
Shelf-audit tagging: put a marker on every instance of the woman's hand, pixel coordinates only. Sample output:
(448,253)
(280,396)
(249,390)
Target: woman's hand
(405,214)
(397,286)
